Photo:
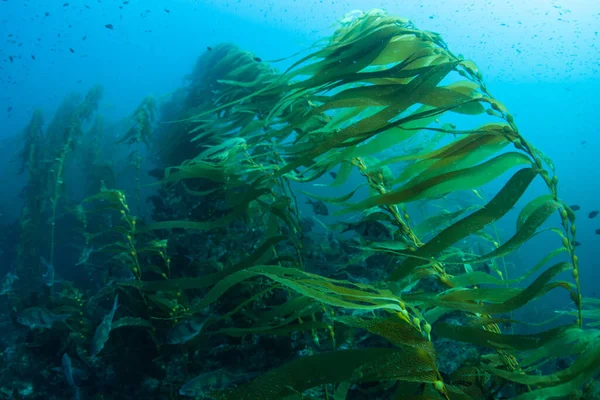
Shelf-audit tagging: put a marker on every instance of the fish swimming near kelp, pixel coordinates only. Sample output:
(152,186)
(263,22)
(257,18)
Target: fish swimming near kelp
(48,277)
(369,230)
(67,366)
(38,317)
(215,380)
(185,330)
(6,285)
(318,207)
(103,330)
(593,214)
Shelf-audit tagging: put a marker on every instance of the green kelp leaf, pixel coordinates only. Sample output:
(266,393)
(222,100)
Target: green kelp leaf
(179,284)
(504,200)
(485,338)
(358,365)
(197,168)
(288,308)
(455,101)
(341,391)
(333,292)
(110,195)
(368,127)
(436,222)
(479,277)
(400,48)
(350,58)
(239,207)
(281,329)
(164,304)
(464,179)
(389,138)
(527,230)
(571,342)
(131,322)
(391,247)
(501,300)
(396,330)
(220,223)
(531,207)
(340,199)
(484,136)
(466,154)
(580,370)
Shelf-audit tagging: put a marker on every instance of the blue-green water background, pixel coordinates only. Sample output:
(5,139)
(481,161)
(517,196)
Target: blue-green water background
(541,59)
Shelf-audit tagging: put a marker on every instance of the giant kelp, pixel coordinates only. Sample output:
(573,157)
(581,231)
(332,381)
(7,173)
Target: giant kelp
(376,108)
(378,83)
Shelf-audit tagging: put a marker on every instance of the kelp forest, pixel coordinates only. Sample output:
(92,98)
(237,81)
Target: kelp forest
(335,229)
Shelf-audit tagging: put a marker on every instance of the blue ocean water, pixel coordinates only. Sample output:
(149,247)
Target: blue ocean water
(541,59)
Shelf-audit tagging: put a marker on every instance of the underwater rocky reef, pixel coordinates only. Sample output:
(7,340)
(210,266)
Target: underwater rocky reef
(327,231)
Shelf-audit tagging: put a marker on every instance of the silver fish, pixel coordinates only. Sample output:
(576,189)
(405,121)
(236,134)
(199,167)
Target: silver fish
(103,330)
(215,380)
(185,331)
(37,317)
(49,275)
(68,371)
(7,283)
(85,255)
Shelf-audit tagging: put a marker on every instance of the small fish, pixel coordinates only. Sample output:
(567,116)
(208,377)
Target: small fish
(48,277)
(575,207)
(593,214)
(83,38)
(333,174)
(71,50)
(33,57)
(68,371)
(167,10)
(215,380)
(597,231)
(370,230)
(103,330)
(185,331)
(66,5)
(11,58)
(85,254)
(576,243)
(256,59)
(7,283)
(208,48)
(487,268)
(37,317)
(318,207)
(9,109)
(109,26)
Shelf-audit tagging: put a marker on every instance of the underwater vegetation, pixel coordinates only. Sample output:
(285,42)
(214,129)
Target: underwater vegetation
(324,232)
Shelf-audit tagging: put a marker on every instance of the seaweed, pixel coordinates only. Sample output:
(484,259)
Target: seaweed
(382,292)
